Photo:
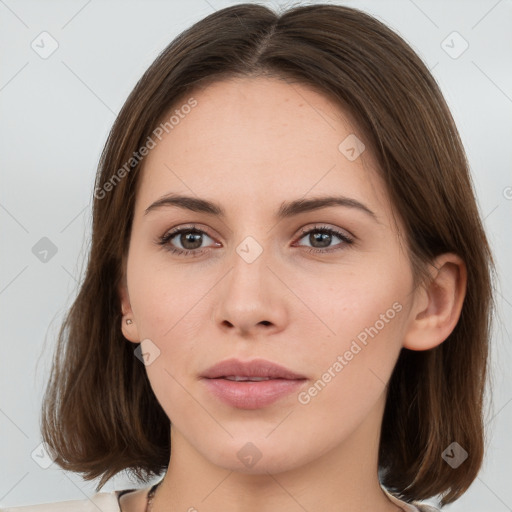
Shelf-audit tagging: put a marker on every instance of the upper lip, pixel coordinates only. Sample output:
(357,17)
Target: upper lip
(253,368)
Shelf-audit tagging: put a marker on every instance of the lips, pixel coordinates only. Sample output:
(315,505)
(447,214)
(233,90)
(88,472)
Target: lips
(251,385)
(257,368)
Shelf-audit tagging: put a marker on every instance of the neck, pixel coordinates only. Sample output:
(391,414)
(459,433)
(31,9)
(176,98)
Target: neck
(345,478)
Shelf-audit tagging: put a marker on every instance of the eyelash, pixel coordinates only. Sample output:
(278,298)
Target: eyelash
(165,240)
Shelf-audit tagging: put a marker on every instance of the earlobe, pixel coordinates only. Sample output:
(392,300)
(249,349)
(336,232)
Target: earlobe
(129,330)
(128,325)
(438,304)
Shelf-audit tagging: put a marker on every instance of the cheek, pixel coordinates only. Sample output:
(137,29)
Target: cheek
(164,299)
(351,301)
(363,315)
(169,307)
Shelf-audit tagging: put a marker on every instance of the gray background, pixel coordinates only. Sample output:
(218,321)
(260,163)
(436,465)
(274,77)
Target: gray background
(55,114)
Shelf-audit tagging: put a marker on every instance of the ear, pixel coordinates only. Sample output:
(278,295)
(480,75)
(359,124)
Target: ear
(437,304)
(128,323)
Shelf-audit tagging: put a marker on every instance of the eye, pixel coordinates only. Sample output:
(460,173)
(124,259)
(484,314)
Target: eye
(320,237)
(189,240)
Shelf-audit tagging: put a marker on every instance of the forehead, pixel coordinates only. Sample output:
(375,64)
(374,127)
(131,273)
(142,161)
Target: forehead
(260,138)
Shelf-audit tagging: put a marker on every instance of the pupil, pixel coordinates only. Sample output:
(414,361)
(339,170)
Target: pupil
(324,238)
(193,237)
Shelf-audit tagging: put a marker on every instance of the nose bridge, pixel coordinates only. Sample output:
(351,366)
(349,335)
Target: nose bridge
(249,262)
(249,296)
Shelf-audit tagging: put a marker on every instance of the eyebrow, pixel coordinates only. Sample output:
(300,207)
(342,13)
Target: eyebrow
(286,210)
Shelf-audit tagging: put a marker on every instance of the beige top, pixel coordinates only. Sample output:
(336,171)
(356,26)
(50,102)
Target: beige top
(109,502)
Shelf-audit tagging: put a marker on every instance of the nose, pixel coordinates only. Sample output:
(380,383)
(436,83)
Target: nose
(251,299)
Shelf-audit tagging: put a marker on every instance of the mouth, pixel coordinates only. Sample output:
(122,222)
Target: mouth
(235,369)
(251,385)
(237,378)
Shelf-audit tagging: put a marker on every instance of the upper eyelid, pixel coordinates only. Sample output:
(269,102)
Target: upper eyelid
(325,226)
(319,226)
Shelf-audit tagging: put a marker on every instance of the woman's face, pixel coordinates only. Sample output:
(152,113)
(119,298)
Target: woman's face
(267,279)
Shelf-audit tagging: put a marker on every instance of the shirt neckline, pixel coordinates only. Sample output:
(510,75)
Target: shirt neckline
(406,507)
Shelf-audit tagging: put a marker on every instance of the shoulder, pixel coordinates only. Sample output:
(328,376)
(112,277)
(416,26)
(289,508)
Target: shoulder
(426,508)
(417,506)
(104,501)
(410,507)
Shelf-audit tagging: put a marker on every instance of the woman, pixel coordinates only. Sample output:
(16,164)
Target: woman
(289,283)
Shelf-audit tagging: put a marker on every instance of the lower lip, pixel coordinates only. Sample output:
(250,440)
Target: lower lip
(252,394)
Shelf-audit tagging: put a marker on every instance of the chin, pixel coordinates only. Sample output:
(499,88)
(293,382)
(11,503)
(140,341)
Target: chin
(259,456)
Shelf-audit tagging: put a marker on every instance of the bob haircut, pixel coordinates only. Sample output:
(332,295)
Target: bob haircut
(100,415)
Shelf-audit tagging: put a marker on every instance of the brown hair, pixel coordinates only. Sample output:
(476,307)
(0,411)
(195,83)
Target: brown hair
(100,415)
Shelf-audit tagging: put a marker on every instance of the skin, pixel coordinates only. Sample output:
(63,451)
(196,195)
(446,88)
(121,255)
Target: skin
(249,145)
